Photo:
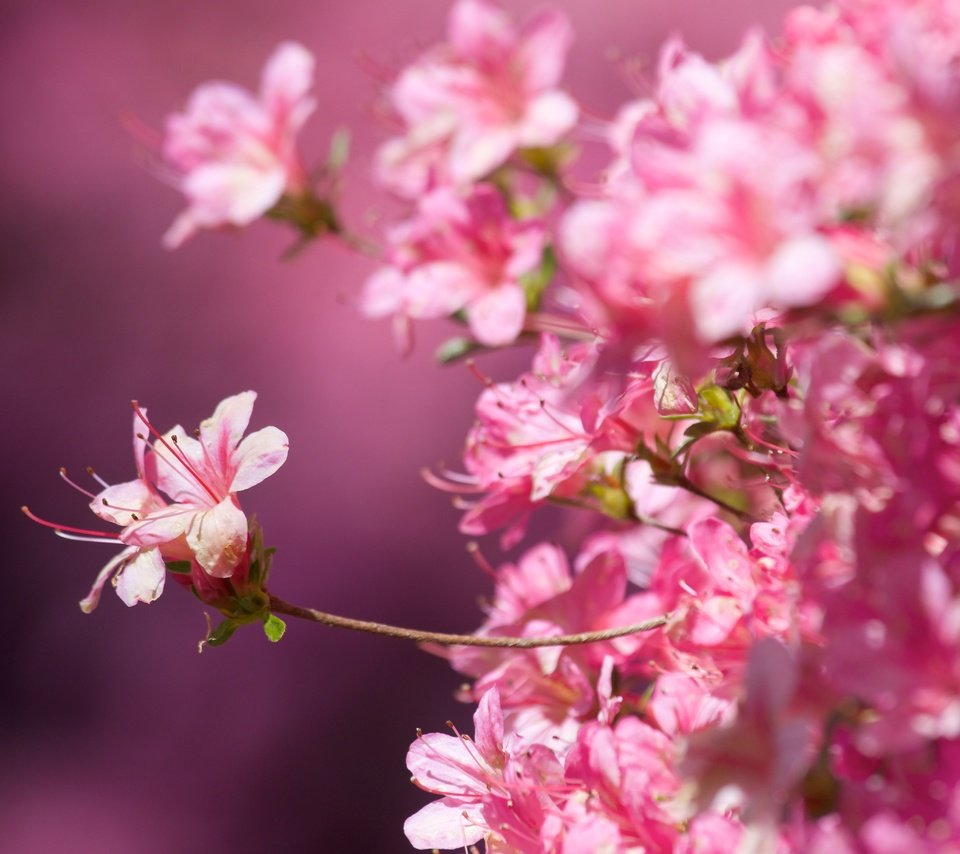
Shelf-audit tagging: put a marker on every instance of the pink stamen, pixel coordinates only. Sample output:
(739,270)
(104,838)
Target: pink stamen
(33,517)
(456,486)
(63,474)
(474,550)
(472,367)
(177,453)
(555,419)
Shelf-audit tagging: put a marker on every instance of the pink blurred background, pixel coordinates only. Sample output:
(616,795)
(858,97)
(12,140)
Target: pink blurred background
(115,734)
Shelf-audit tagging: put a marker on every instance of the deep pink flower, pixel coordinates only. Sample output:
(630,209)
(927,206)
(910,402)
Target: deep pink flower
(547,693)
(233,154)
(469,104)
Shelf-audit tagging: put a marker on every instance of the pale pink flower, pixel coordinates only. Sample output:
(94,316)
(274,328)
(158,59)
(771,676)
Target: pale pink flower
(460,253)
(468,105)
(233,153)
(201,476)
(182,505)
(493,785)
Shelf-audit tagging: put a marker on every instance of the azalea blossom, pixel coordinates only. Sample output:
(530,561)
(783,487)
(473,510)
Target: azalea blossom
(232,153)
(469,104)
(182,506)
(460,253)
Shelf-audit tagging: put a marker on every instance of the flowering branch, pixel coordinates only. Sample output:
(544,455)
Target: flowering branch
(278,606)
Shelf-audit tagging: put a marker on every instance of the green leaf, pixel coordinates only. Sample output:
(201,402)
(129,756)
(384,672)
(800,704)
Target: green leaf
(273,627)
(455,348)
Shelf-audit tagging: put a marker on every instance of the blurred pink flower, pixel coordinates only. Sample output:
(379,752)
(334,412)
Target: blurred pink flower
(469,104)
(460,253)
(233,153)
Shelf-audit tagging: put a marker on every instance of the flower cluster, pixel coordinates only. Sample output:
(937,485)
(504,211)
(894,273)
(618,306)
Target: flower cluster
(745,384)
(745,375)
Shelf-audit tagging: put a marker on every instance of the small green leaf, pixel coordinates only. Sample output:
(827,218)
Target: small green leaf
(181,567)
(273,627)
(453,349)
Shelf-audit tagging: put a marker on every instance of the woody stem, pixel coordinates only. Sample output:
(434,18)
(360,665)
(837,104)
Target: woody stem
(278,606)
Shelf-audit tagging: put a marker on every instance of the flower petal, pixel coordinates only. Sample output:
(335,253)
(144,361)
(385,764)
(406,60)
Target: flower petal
(285,84)
(161,527)
(92,599)
(258,457)
(121,502)
(445,824)
(141,580)
(218,538)
(496,318)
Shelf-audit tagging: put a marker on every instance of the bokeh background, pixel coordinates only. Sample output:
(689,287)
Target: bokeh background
(114,734)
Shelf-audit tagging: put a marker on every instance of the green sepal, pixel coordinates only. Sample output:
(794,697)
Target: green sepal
(535,283)
(700,429)
(222,633)
(719,407)
(273,627)
(180,567)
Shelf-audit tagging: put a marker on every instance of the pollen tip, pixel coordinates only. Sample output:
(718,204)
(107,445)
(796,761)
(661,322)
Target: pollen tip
(63,470)
(90,470)
(472,546)
(24,509)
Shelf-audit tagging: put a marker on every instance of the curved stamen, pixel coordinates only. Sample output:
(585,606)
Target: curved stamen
(33,517)
(174,449)
(63,474)
(79,539)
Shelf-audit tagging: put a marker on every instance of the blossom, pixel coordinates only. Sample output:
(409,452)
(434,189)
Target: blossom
(460,253)
(547,693)
(469,104)
(182,506)
(202,476)
(233,154)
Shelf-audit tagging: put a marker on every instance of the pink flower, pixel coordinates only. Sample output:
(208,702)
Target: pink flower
(469,104)
(182,506)
(546,693)
(233,154)
(460,253)
(202,476)
(464,771)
